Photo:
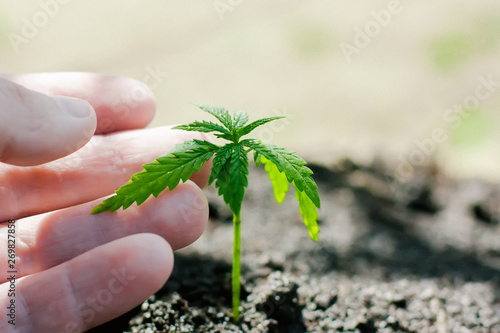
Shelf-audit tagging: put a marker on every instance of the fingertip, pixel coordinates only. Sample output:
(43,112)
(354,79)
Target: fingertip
(199,217)
(38,128)
(81,122)
(181,215)
(156,255)
(126,104)
(74,107)
(121,103)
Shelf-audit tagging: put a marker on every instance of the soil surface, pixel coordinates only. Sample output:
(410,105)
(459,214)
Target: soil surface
(420,256)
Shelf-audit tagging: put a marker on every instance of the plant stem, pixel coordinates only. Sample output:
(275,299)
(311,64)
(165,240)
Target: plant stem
(236,267)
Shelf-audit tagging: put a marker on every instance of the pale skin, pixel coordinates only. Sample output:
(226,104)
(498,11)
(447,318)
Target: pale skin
(75,270)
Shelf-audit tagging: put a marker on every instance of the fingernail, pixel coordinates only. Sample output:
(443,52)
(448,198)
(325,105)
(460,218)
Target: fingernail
(77,108)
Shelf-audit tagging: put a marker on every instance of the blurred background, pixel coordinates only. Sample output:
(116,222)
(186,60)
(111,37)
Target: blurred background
(408,82)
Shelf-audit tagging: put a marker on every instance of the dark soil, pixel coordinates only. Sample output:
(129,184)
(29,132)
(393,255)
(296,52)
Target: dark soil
(421,256)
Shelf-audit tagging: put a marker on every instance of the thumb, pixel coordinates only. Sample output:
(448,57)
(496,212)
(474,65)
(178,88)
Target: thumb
(36,128)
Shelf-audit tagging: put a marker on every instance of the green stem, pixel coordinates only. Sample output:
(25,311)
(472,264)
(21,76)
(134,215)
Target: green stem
(236,267)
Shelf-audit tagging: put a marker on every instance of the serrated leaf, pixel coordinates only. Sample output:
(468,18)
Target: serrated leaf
(232,178)
(280,187)
(278,179)
(309,214)
(292,165)
(253,125)
(203,126)
(240,119)
(220,113)
(256,158)
(220,159)
(166,172)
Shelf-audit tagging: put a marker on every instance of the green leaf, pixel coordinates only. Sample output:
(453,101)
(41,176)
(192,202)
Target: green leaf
(250,127)
(292,165)
(232,178)
(166,172)
(280,187)
(257,158)
(278,179)
(220,113)
(219,161)
(205,127)
(240,119)
(309,214)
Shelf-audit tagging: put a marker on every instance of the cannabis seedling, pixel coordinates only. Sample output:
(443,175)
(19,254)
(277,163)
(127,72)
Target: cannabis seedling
(229,171)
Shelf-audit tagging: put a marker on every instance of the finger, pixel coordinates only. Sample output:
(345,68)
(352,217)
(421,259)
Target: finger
(91,289)
(121,103)
(47,240)
(35,128)
(96,170)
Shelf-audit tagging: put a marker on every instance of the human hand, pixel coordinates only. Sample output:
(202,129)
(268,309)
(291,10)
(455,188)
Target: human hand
(74,270)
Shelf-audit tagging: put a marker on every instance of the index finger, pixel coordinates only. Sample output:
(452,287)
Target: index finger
(120,103)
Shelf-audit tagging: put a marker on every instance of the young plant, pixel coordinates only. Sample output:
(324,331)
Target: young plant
(229,171)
